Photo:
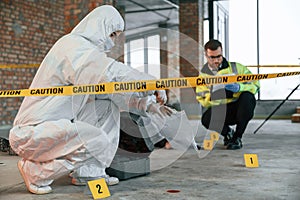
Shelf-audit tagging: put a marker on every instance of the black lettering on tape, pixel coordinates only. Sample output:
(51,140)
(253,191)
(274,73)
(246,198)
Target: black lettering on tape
(171,83)
(211,80)
(89,89)
(130,86)
(10,92)
(49,91)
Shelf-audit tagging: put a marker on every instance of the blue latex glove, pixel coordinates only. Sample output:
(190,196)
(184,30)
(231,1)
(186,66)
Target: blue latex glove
(234,87)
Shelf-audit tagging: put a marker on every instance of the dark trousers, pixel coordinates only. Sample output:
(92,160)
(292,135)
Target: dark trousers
(239,113)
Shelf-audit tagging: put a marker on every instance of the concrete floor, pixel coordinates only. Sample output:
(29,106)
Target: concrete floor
(216,174)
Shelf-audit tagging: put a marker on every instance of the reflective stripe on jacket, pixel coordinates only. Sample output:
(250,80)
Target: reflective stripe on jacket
(205,94)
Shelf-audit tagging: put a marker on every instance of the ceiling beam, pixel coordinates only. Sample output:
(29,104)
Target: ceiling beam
(134,2)
(149,10)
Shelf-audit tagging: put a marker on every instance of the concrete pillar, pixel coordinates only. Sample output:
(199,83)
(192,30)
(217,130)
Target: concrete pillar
(169,59)
(163,34)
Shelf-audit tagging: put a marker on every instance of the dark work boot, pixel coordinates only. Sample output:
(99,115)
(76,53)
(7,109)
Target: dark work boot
(228,136)
(235,144)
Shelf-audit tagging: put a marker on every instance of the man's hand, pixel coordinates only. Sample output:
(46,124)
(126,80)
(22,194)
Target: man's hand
(234,87)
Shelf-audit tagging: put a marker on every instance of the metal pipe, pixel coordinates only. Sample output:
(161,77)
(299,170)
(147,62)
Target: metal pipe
(211,18)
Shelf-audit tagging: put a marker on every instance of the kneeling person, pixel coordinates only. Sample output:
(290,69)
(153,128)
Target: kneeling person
(226,105)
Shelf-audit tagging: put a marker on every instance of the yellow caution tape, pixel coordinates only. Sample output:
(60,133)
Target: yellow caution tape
(139,86)
(36,65)
(14,66)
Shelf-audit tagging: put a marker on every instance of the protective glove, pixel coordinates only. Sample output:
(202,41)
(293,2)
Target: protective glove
(162,111)
(161,96)
(234,87)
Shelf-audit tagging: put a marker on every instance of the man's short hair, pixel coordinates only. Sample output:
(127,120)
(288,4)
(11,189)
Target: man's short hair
(213,45)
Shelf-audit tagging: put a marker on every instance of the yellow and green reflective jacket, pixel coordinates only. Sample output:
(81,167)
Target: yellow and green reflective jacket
(215,95)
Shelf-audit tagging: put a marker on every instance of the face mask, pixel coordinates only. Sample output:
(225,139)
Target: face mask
(108,44)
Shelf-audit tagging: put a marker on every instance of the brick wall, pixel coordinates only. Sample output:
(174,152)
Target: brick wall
(28,29)
(190,20)
(75,10)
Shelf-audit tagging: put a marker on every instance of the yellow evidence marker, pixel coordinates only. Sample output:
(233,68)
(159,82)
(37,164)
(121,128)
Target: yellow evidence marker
(251,160)
(208,144)
(99,188)
(214,136)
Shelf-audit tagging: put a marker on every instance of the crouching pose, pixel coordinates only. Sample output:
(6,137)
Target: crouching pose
(226,105)
(56,135)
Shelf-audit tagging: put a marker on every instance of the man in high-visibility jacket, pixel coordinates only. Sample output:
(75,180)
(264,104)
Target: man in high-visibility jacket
(226,105)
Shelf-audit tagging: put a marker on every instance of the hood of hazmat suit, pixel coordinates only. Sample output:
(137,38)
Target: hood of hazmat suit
(62,124)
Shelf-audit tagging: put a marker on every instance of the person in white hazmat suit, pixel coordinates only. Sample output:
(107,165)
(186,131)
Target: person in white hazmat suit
(56,135)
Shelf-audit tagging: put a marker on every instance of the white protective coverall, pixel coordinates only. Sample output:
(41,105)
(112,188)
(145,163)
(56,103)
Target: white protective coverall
(57,134)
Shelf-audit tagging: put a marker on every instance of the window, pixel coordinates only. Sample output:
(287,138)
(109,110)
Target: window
(144,54)
(278,88)
(270,38)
